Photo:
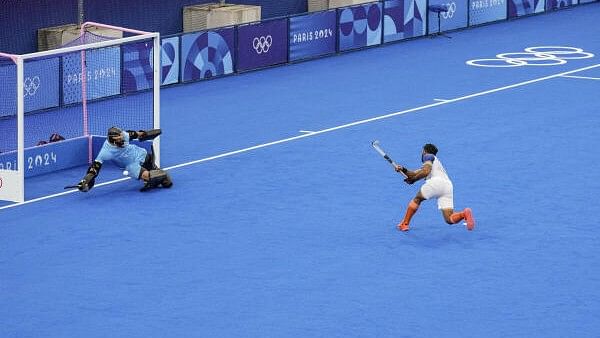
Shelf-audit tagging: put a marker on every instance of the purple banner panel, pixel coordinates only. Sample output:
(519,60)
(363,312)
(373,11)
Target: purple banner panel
(559,4)
(262,44)
(518,8)
(137,67)
(312,35)
(360,26)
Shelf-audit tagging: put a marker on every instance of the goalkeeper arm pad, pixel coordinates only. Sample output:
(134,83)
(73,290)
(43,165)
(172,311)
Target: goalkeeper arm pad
(144,135)
(149,134)
(132,134)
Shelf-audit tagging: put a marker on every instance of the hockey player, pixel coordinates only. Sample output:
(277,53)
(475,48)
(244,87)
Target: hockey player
(437,185)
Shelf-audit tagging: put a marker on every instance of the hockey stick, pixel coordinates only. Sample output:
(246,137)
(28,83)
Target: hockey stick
(377,148)
(72,186)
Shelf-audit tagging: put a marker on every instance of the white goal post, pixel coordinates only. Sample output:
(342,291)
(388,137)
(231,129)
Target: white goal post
(80,91)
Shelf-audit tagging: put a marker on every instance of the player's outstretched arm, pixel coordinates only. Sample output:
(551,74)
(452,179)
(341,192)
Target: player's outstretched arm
(413,176)
(144,135)
(88,181)
(401,169)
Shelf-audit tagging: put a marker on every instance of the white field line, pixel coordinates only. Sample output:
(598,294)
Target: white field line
(347,125)
(440,100)
(582,77)
(306,131)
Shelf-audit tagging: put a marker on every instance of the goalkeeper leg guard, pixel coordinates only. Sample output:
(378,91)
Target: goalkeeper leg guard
(166,182)
(155,178)
(149,162)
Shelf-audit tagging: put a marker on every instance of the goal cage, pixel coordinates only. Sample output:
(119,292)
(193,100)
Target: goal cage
(56,106)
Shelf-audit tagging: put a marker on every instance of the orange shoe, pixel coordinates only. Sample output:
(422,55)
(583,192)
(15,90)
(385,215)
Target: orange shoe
(469,219)
(403,226)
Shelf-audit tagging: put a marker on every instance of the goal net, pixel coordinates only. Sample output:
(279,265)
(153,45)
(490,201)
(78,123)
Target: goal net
(56,106)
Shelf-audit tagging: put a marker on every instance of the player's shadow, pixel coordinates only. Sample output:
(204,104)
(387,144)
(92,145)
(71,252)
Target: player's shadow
(448,236)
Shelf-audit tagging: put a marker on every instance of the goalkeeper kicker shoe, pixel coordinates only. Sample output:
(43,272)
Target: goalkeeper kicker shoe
(148,186)
(403,226)
(167,183)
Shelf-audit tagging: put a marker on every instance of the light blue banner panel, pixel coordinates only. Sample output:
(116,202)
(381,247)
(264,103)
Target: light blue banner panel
(103,74)
(41,84)
(169,59)
(484,11)
(50,157)
(456,17)
(8,89)
(207,54)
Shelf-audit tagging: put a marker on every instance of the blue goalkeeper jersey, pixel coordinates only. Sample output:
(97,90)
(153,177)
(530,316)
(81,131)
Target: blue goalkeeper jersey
(129,156)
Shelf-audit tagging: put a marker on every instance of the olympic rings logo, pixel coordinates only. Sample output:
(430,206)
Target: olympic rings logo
(534,56)
(449,14)
(262,44)
(31,85)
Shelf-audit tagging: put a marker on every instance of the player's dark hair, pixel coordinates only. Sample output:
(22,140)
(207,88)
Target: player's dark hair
(430,149)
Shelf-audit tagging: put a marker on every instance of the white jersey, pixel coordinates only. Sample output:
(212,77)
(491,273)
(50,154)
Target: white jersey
(437,169)
(438,184)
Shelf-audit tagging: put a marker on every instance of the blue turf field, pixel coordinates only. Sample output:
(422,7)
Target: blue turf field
(298,238)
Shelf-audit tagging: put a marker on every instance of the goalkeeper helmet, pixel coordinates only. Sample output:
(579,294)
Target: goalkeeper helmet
(115,137)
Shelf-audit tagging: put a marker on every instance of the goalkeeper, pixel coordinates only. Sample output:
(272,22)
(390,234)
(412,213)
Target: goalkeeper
(136,160)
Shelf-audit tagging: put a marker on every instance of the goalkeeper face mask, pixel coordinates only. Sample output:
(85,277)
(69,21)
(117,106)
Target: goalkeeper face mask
(115,137)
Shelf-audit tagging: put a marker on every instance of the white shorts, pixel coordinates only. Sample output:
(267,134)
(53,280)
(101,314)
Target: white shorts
(441,189)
